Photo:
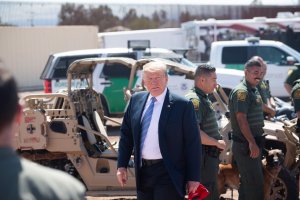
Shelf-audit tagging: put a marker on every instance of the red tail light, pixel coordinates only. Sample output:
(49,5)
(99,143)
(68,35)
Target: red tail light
(47,86)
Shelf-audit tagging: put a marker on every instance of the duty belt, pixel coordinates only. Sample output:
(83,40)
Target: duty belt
(211,151)
(259,140)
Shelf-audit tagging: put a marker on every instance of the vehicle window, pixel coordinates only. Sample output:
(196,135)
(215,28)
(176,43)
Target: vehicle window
(181,61)
(60,69)
(234,55)
(273,55)
(126,55)
(47,68)
(117,70)
(240,55)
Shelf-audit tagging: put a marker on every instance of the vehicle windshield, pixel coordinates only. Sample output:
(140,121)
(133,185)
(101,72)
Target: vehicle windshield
(171,56)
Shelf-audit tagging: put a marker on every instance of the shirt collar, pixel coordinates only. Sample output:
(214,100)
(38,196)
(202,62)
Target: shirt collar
(160,98)
(200,92)
(249,87)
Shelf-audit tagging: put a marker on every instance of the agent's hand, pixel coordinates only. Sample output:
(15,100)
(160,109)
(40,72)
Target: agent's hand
(254,150)
(221,144)
(272,113)
(122,176)
(192,186)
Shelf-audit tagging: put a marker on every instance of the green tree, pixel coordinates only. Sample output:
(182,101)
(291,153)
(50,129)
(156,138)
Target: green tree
(159,17)
(70,14)
(185,16)
(103,18)
(134,22)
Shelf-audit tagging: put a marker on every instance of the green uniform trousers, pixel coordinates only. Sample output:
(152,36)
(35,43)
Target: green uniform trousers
(251,173)
(209,175)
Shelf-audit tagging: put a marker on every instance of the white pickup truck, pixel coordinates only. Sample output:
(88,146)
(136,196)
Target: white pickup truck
(111,79)
(278,56)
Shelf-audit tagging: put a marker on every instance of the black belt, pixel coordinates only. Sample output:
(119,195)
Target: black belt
(259,140)
(147,163)
(237,139)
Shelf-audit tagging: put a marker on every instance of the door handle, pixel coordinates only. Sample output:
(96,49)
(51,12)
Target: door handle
(106,83)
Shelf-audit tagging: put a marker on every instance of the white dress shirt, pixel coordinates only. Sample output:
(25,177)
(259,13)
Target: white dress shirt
(151,148)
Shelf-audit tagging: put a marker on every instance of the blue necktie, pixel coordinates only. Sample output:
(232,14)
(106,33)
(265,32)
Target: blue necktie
(146,123)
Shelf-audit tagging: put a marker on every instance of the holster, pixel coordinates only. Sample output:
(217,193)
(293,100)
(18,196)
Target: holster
(211,151)
(260,141)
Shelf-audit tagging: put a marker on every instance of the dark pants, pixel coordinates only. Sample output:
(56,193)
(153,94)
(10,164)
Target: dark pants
(156,184)
(251,173)
(209,175)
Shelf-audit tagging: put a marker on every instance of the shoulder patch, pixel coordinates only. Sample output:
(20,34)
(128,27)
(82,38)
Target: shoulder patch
(196,103)
(296,94)
(241,95)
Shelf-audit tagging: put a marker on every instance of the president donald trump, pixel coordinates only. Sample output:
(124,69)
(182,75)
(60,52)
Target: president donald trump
(161,129)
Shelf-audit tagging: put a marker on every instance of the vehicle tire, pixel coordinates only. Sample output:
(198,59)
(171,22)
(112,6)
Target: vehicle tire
(284,187)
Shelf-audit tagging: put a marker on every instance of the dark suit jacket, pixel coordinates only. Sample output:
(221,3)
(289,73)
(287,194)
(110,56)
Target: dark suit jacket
(179,138)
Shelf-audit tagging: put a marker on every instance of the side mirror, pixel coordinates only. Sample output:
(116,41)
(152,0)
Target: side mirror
(290,60)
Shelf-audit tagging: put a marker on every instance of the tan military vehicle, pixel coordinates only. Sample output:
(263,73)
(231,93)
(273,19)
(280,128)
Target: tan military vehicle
(65,130)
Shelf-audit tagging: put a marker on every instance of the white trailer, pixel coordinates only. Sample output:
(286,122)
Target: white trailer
(199,34)
(168,38)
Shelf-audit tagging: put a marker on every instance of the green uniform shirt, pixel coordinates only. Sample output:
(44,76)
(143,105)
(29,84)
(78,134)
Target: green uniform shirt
(205,113)
(247,100)
(296,95)
(23,179)
(293,76)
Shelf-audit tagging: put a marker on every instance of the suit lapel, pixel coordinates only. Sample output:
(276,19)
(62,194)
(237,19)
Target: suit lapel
(167,106)
(139,105)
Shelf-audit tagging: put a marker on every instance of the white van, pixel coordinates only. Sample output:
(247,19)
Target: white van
(110,79)
(279,57)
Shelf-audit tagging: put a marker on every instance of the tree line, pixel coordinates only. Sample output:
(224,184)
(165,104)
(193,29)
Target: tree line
(103,17)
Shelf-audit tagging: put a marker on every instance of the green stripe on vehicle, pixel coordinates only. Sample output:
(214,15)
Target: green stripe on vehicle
(235,66)
(114,94)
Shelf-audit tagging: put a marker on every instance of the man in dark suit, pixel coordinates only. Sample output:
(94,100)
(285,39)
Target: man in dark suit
(161,129)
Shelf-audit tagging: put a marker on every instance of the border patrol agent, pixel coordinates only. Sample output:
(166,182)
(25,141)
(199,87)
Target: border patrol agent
(296,99)
(269,106)
(247,121)
(292,76)
(212,143)
(264,90)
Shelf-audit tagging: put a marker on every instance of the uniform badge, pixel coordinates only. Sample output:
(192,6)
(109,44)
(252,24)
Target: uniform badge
(241,95)
(196,103)
(296,94)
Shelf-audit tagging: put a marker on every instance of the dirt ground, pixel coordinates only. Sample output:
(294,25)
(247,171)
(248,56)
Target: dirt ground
(230,195)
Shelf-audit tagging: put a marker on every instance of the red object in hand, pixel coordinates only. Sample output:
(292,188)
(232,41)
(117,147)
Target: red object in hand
(199,194)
